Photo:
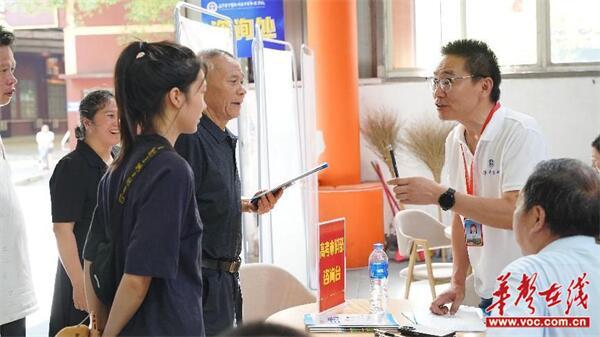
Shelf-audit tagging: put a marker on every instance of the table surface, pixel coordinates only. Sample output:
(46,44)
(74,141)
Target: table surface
(294,316)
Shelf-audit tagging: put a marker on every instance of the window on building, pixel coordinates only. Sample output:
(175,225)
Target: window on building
(14,110)
(574,31)
(526,35)
(417,31)
(57,105)
(509,27)
(27,99)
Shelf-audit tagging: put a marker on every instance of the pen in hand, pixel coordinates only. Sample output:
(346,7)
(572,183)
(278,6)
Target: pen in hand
(393,159)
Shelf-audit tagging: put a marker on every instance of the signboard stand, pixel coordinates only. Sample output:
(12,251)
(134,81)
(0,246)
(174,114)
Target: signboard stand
(332,263)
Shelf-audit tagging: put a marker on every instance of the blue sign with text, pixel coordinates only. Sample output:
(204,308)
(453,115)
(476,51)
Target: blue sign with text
(268,14)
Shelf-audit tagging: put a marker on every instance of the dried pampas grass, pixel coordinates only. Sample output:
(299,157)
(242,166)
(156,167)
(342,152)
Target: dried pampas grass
(381,128)
(425,139)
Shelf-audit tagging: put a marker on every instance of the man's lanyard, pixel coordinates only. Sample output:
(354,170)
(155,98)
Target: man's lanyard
(469,175)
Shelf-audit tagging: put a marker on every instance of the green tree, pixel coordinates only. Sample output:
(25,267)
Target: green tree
(150,11)
(138,11)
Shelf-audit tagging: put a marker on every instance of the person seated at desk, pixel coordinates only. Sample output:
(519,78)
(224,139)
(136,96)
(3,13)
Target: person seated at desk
(556,224)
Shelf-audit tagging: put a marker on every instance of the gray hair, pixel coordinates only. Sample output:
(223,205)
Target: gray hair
(208,55)
(569,192)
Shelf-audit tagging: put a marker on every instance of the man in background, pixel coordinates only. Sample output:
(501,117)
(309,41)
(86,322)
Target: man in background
(45,142)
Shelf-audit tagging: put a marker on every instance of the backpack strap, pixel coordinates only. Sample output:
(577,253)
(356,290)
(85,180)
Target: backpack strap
(137,168)
(104,271)
(117,210)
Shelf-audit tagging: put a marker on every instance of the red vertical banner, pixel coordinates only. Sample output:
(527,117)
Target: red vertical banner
(332,263)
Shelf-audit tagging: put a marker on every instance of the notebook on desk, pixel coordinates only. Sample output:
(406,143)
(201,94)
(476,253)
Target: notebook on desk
(349,322)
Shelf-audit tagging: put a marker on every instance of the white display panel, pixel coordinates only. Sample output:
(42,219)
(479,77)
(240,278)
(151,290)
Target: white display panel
(313,146)
(200,36)
(282,159)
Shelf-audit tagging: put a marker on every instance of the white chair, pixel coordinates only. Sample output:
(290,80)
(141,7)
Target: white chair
(267,289)
(428,233)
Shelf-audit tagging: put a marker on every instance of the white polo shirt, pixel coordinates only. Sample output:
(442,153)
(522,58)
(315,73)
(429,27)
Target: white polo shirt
(17,297)
(508,150)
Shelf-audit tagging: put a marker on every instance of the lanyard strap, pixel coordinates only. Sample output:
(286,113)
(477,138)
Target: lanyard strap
(469,175)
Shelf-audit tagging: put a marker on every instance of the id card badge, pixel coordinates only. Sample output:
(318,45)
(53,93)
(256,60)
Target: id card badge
(473,233)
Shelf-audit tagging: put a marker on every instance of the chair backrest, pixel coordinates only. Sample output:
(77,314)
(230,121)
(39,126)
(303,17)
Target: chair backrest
(417,224)
(267,289)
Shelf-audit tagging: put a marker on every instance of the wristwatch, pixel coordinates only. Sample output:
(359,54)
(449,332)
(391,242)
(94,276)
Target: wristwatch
(446,200)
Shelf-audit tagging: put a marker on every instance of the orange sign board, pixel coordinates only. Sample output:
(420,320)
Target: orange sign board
(332,263)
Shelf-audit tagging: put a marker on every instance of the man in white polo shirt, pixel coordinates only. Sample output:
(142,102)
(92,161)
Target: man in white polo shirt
(489,156)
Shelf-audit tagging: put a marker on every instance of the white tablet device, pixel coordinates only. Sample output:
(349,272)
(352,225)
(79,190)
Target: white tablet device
(288,183)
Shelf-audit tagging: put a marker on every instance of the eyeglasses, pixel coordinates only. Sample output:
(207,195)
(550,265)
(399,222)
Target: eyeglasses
(446,83)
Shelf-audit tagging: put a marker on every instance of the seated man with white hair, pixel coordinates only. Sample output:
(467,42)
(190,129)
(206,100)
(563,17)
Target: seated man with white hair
(556,223)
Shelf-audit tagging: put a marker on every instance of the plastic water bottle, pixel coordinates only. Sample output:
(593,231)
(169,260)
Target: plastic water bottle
(378,272)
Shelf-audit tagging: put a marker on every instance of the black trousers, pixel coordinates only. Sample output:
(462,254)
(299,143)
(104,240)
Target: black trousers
(221,301)
(14,328)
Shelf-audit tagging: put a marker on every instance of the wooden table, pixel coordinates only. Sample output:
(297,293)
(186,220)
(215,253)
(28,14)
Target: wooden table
(294,316)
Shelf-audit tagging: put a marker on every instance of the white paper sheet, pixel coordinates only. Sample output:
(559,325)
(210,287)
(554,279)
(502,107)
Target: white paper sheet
(465,319)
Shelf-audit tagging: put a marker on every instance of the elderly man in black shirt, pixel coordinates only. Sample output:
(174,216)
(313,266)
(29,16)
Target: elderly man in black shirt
(211,154)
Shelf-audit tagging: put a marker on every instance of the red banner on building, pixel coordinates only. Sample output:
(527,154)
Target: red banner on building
(332,263)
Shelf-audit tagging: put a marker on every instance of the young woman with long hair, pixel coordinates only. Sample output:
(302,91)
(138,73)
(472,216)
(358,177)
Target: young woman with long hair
(156,236)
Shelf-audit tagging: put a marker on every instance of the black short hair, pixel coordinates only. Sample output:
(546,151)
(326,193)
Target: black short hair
(480,61)
(596,143)
(7,38)
(569,192)
(89,105)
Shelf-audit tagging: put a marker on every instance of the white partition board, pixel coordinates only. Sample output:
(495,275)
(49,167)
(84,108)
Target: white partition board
(248,163)
(200,36)
(311,153)
(281,159)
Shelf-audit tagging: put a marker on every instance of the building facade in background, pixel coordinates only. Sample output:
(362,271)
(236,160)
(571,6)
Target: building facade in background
(41,93)
(61,55)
